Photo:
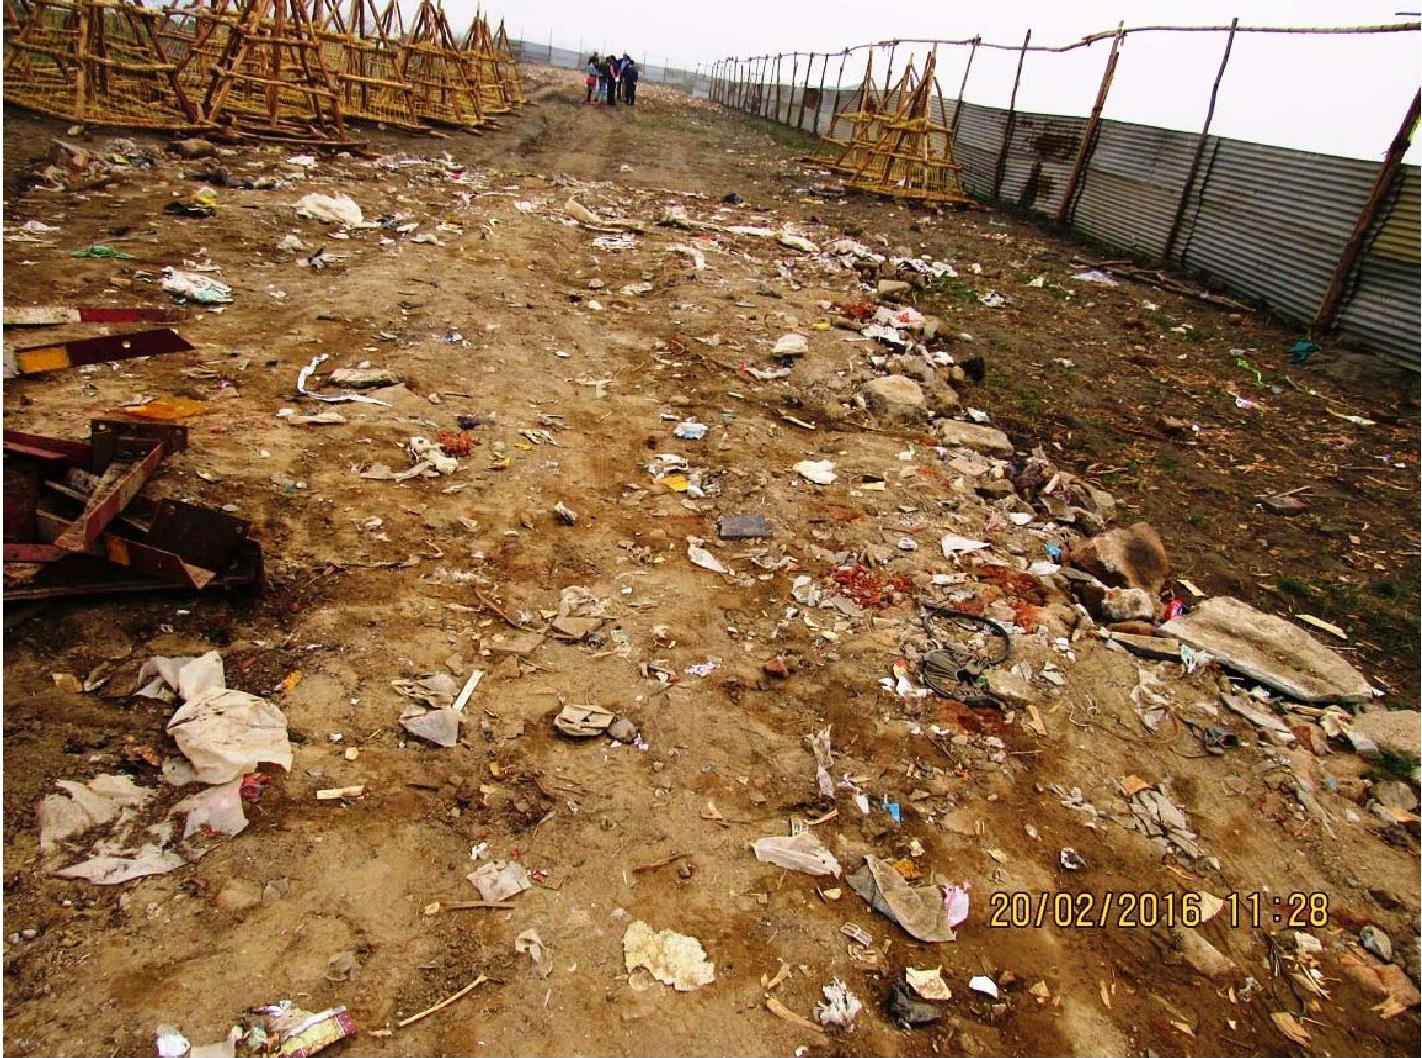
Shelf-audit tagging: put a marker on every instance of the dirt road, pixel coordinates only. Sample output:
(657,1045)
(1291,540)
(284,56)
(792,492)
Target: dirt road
(513,314)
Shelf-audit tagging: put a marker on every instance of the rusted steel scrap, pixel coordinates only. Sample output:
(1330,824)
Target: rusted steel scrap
(75,524)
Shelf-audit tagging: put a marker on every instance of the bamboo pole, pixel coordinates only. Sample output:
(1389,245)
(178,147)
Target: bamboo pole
(1010,122)
(1199,149)
(1093,126)
(1353,248)
(889,73)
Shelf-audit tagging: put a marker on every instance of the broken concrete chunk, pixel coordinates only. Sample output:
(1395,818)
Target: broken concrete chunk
(986,439)
(1390,730)
(364,377)
(1271,650)
(896,398)
(890,287)
(743,527)
(1124,558)
(581,721)
(1157,648)
(1127,604)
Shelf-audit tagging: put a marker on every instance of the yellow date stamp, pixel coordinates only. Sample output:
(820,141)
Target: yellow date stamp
(1146,909)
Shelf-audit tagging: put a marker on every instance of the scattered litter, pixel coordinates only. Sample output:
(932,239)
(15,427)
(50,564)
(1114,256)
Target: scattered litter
(500,879)
(193,287)
(691,430)
(802,852)
(674,959)
(705,559)
(986,985)
(921,911)
(1097,276)
(818,472)
(330,398)
(332,209)
(840,1006)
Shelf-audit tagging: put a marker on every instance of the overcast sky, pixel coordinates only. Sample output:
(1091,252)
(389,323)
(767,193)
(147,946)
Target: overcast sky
(1338,95)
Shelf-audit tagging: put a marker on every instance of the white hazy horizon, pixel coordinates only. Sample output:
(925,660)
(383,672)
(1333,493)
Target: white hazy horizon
(1342,95)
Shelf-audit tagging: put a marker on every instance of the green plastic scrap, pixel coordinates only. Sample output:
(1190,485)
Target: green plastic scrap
(107,252)
(1247,366)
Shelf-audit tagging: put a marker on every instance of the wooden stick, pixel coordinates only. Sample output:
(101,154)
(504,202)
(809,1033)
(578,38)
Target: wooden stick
(1353,249)
(1011,120)
(1093,126)
(662,862)
(1199,150)
(443,1002)
(477,905)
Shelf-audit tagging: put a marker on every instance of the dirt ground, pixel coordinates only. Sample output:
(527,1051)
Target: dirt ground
(459,569)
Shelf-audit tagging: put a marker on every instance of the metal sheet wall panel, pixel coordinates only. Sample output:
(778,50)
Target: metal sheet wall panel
(1039,160)
(1131,186)
(1267,223)
(1382,313)
(1271,223)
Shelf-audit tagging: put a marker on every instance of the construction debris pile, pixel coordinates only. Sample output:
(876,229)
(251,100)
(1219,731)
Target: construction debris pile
(288,70)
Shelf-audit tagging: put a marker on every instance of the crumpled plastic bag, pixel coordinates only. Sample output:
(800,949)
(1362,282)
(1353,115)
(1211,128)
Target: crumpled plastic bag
(196,287)
(229,733)
(840,1007)
(111,869)
(803,852)
(333,209)
(921,911)
(101,799)
(217,810)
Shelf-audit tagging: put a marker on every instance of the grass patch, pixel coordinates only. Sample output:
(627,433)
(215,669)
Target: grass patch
(1393,765)
(1295,587)
(1386,589)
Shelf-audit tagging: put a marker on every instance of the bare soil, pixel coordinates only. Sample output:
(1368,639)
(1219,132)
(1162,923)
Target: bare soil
(352,608)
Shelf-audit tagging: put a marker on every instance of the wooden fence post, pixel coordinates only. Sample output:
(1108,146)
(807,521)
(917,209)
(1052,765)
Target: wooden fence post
(778,78)
(889,72)
(958,109)
(820,99)
(805,93)
(1199,151)
(760,91)
(1010,122)
(794,76)
(1353,248)
(1093,125)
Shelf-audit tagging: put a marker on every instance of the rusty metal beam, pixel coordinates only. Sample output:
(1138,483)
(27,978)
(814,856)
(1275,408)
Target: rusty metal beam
(116,490)
(59,355)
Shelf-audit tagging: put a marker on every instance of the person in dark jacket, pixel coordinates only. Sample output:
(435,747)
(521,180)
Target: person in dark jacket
(630,74)
(614,79)
(604,70)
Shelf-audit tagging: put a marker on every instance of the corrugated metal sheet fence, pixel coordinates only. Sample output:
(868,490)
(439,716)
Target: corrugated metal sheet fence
(1267,223)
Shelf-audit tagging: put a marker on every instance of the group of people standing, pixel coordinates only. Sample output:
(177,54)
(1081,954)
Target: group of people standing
(612,79)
